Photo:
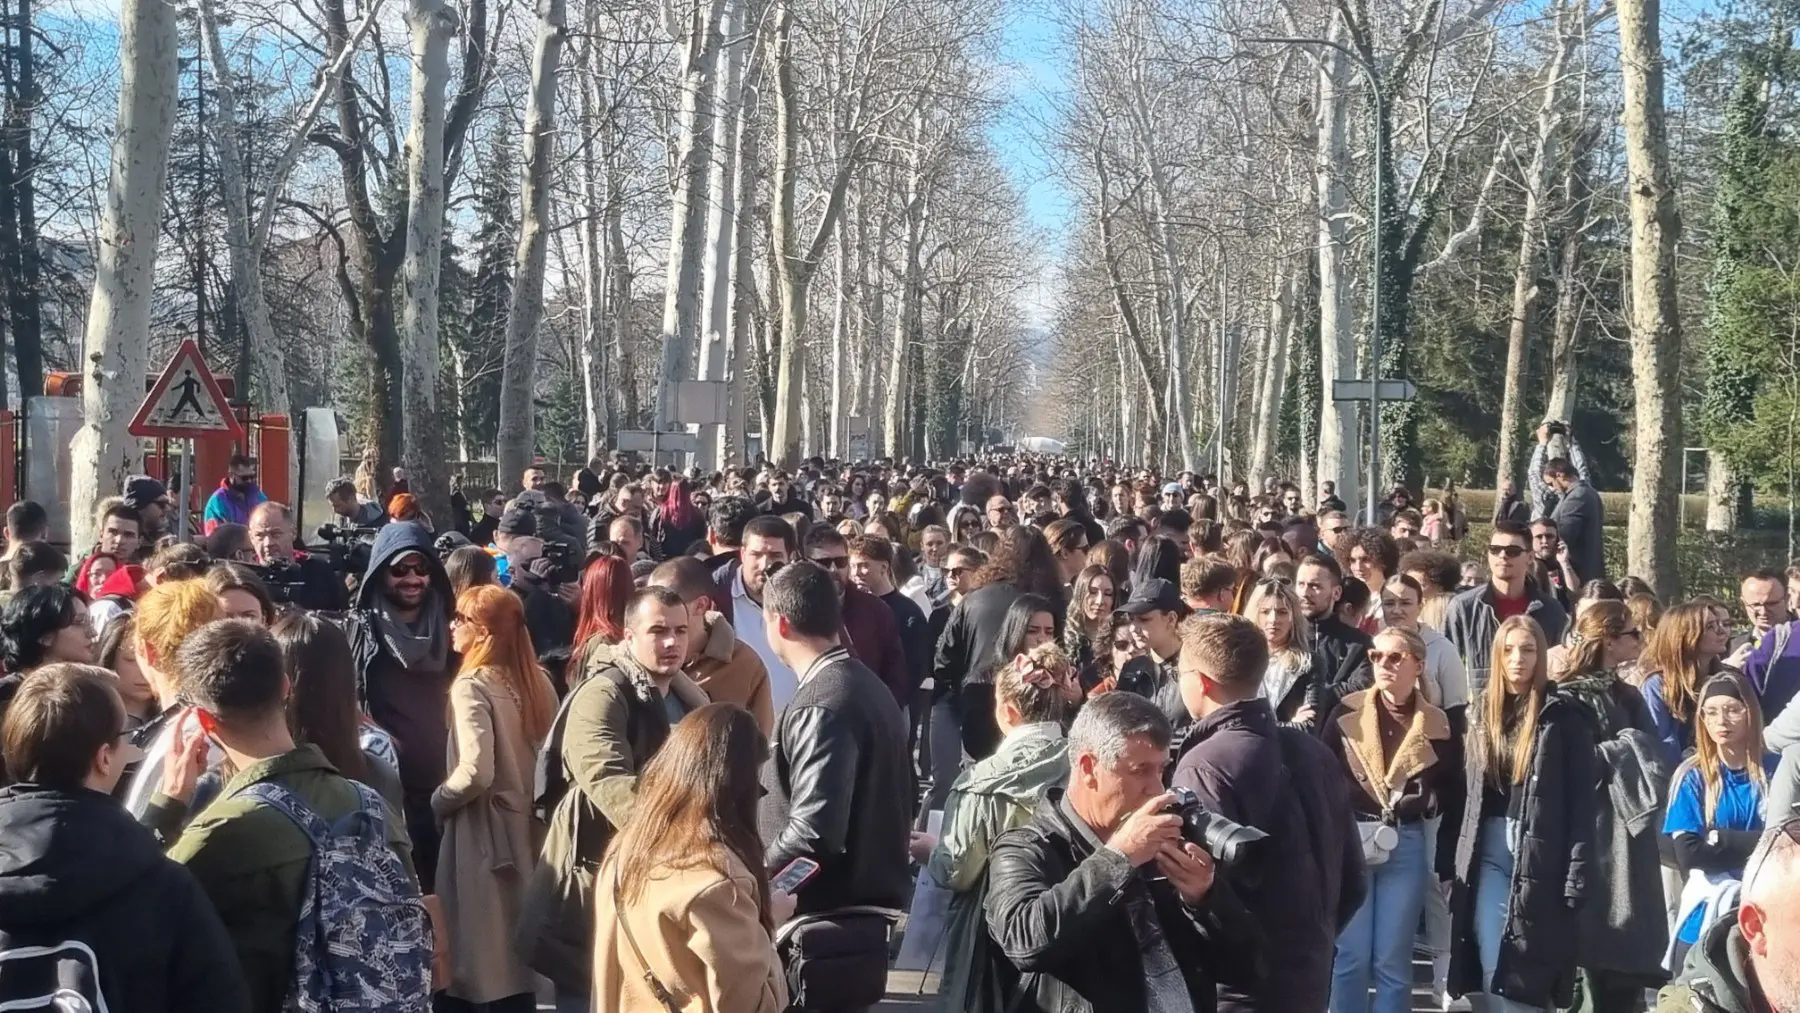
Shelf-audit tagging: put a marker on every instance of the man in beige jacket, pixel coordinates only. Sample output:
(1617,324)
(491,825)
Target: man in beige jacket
(728,669)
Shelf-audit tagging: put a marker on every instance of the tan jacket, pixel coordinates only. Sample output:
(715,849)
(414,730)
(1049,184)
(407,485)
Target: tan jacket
(730,672)
(490,841)
(701,936)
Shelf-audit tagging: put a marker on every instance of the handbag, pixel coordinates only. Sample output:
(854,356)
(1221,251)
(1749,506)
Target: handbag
(555,932)
(836,959)
(1379,838)
(657,989)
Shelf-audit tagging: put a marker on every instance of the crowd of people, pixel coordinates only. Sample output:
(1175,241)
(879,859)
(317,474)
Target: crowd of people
(662,741)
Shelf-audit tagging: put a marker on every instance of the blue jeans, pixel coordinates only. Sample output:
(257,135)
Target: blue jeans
(1493,894)
(1378,941)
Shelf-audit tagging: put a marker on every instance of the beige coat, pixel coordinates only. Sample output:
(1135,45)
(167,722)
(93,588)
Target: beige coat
(701,935)
(730,672)
(490,840)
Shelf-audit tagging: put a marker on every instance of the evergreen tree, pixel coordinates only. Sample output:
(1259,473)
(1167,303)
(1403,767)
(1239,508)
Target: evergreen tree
(489,297)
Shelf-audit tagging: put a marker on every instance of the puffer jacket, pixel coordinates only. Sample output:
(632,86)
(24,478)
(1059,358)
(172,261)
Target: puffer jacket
(990,798)
(1551,861)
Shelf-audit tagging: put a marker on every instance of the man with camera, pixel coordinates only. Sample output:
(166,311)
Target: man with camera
(293,577)
(1100,902)
(1303,883)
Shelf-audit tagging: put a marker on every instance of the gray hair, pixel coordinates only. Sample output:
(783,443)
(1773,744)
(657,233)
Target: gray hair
(1107,722)
(1774,865)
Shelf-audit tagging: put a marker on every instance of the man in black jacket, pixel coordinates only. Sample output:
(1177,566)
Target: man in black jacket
(1081,920)
(839,791)
(1320,583)
(305,580)
(127,928)
(1303,883)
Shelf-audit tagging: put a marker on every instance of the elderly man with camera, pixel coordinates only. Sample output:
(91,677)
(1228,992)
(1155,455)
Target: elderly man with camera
(1106,900)
(1304,883)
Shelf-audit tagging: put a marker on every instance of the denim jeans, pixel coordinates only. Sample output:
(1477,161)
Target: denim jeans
(946,752)
(1493,894)
(1378,941)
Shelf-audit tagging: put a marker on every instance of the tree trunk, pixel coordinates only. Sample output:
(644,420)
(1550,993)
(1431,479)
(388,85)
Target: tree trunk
(431,24)
(1273,379)
(1531,244)
(721,221)
(270,365)
(594,395)
(698,35)
(743,282)
(116,349)
(1655,320)
(25,300)
(516,439)
(1722,485)
(1338,433)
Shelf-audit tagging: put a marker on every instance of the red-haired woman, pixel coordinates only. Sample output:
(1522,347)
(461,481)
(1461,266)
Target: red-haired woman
(606,585)
(679,523)
(501,704)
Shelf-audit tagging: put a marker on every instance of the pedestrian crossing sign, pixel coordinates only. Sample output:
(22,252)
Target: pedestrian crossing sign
(186,401)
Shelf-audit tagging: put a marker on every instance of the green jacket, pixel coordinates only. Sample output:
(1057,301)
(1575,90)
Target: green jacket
(1716,977)
(253,863)
(990,798)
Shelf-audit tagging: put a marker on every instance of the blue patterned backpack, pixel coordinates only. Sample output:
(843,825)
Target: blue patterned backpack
(363,943)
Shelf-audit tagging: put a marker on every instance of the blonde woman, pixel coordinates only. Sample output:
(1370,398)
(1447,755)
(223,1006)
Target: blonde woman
(1092,600)
(990,798)
(1296,681)
(1717,811)
(1525,833)
(1404,765)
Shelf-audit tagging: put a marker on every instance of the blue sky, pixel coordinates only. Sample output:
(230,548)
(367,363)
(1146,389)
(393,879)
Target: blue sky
(1034,79)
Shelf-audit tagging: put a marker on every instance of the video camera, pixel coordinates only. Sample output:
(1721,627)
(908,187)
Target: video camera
(283,580)
(348,549)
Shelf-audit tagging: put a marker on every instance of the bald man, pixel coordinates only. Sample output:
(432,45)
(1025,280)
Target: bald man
(1751,963)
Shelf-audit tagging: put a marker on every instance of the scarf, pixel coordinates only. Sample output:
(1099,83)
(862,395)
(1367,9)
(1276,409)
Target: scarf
(424,644)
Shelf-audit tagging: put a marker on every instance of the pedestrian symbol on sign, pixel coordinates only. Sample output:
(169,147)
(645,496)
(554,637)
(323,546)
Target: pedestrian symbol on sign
(186,401)
(190,389)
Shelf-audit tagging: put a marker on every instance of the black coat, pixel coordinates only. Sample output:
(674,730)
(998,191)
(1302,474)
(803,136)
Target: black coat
(1550,863)
(77,868)
(1344,650)
(1055,911)
(1304,883)
(967,656)
(838,789)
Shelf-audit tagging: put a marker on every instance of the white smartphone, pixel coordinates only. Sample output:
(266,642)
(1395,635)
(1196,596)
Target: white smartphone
(790,879)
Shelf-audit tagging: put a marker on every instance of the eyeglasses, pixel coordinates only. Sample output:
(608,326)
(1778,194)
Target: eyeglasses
(1509,551)
(1123,644)
(1385,657)
(1788,830)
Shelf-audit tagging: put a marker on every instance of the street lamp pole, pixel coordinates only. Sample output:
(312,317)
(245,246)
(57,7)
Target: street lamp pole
(1374,370)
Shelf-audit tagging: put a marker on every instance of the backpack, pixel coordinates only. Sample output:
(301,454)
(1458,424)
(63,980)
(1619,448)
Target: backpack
(363,943)
(59,978)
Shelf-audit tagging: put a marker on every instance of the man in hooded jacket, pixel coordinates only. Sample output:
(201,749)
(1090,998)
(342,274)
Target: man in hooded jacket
(399,634)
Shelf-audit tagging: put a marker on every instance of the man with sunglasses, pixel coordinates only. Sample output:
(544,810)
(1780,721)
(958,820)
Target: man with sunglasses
(870,631)
(1473,616)
(1750,963)
(399,634)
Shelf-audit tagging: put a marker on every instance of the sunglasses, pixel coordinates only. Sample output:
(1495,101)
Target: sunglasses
(1384,657)
(1635,634)
(1124,644)
(832,562)
(1509,551)
(409,570)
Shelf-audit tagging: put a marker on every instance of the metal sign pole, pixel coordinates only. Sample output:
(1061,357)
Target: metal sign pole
(185,501)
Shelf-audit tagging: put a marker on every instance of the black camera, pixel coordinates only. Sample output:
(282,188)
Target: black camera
(283,580)
(347,549)
(1557,428)
(1227,842)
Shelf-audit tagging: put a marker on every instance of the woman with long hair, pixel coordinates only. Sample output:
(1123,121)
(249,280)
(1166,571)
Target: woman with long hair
(1120,644)
(679,523)
(990,798)
(1647,612)
(1403,764)
(1116,558)
(322,707)
(501,704)
(682,896)
(606,585)
(1240,552)
(1718,809)
(469,567)
(1092,600)
(1682,653)
(242,594)
(1529,777)
(1296,681)
(1159,558)
(1624,927)
(117,653)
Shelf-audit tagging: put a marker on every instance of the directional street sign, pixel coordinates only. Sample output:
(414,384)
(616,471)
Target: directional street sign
(1358,390)
(645,441)
(186,401)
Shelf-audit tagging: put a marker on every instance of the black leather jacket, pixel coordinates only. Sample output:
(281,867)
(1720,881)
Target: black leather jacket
(1056,911)
(838,789)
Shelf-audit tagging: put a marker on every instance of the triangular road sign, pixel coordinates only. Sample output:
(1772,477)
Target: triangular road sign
(186,401)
